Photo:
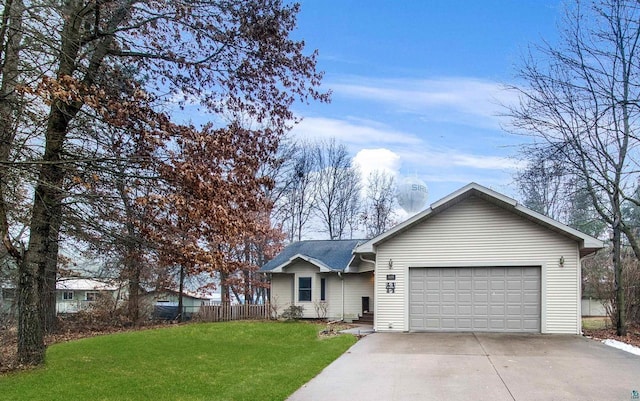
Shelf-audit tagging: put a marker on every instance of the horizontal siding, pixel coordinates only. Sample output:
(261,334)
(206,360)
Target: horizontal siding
(357,286)
(281,291)
(284,288)
(478,233)
(305,269)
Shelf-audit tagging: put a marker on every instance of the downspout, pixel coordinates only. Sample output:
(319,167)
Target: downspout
(342,279)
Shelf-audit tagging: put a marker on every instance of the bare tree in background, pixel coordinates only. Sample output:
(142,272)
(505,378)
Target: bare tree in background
(298,200)
(543,185)
(379,203)
(580,102)
(337,189)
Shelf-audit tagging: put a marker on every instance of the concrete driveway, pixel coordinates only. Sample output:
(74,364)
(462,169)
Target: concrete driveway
(468,366)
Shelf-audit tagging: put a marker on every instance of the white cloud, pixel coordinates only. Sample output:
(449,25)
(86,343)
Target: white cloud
(461,100)
(448,158)
(355,132)
(381,159)
(444,130)
(376,144)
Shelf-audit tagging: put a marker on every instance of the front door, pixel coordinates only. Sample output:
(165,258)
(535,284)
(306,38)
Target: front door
(365,305)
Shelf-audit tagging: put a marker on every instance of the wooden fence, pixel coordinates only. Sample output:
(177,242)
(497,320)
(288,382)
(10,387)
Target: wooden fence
(226,312)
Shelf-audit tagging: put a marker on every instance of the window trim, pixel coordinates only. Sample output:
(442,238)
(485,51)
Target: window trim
(67,295)
(305,290)
(94,294)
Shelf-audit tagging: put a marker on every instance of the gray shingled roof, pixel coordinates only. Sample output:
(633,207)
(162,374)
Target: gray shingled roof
(334,254)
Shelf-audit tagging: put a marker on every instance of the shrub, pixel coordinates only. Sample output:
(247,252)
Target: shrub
(598,282)
(104,311)
(321,308)
(293,312)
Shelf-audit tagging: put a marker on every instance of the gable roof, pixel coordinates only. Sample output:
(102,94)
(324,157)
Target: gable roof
(588,244)
(327,255)
(84,284)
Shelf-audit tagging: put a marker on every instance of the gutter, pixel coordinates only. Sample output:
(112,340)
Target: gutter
(367,260)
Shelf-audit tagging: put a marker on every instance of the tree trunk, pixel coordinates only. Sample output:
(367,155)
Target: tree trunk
(47,282)
(10,42)
(224,288)
(133,276)
(40,263)
(31,349)
(621,324)
(39,267)
(133,262)
(180,290)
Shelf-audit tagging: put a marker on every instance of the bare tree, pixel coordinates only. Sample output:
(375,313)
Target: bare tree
(580,102)
(543,185)
(337,189)
(379,203)
(296,205)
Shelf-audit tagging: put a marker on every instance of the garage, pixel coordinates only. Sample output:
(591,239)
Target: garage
(490,299)
(477,260)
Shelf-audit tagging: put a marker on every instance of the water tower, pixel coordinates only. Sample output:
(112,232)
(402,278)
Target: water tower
(412,194)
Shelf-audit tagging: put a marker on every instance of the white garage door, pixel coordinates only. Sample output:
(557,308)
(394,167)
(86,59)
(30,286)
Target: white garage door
(503,299)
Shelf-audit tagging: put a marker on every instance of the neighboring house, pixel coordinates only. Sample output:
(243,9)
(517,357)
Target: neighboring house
(76,294)
(164,303)
(191,300)
(475,260)
(316,276)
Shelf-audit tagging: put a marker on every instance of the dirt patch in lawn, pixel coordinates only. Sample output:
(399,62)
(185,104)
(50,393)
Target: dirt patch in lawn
(331,329)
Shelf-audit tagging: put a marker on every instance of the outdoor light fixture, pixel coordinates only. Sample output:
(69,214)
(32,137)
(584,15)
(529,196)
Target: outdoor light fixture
(561,261)
(390,263)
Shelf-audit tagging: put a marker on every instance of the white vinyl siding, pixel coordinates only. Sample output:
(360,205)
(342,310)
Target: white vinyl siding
(478,233)
(305,269)
(284,289)
(357,286)
(281,291)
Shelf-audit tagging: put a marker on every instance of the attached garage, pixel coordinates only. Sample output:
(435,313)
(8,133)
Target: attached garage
(477,260)
(503,299)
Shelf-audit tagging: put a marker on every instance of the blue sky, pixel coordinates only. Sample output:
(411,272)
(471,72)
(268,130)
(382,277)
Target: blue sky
(417,84)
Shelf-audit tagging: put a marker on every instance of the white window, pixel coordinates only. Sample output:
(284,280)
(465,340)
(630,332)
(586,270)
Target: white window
(304,289)
(92,296)
(67,295)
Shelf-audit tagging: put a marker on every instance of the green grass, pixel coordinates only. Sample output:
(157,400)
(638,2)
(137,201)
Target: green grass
(595,323)
(220,361)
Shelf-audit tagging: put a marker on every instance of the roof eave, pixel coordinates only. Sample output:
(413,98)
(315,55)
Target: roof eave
(280,268)
(588,244)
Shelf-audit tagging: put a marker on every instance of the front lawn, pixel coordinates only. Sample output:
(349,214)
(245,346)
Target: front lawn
(218,361)
(595,323)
